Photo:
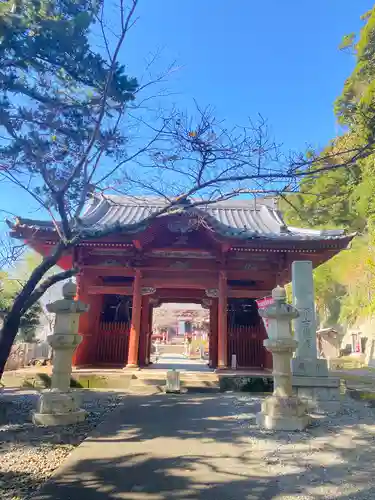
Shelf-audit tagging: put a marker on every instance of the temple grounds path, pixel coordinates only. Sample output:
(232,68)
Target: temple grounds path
(160,447)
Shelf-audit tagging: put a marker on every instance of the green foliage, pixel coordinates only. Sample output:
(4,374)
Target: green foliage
(10,284)
(345,197)
(329,199)
(29,324)
(52,84)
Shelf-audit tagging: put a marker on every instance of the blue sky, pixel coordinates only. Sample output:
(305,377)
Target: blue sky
(277,58)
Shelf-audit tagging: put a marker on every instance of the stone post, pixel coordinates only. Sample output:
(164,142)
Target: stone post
(306,361)
(310,374)
(173,382)
(283,410)
(59,405)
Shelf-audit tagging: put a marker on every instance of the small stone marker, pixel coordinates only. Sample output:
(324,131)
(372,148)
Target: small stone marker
(59,405)
(306,362)
(173,382)
(234,362)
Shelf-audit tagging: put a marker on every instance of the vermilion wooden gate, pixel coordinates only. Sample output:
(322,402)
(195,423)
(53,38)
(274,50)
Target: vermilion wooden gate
(246,342)
(113,343)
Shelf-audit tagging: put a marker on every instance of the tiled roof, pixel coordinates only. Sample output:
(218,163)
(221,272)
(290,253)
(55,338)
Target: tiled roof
(244,219)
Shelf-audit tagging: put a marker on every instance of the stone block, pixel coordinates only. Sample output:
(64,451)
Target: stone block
(58,408)
(173,382)
(309,367)
(319,393)
(283,413)
(51,419)
(280,423)
(333,382)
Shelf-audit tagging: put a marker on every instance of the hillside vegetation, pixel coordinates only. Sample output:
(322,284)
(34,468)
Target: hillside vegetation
(344,197)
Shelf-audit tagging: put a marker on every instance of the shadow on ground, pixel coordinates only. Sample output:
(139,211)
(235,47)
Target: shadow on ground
(208,447)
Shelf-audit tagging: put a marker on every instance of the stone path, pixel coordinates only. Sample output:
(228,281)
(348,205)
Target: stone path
(163,447)
(179,362)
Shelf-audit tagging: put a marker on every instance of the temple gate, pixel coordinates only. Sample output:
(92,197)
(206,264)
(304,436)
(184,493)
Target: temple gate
(223,255)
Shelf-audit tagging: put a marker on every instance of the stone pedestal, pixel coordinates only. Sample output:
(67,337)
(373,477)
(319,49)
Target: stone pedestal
(319,393)
(283,410)
(311,381)
(59,405)
(58,408)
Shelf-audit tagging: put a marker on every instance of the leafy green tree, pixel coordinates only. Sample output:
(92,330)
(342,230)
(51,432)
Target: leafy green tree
(11,283)
(29,323)
(346,197)
(61,107)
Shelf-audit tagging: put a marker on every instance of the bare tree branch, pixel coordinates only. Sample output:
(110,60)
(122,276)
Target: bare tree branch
(45,285)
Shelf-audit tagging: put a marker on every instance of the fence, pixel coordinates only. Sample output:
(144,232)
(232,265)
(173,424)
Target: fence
(112,344)
(21,354)
(246,342)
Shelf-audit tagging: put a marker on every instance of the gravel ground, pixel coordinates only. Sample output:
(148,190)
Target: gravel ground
(332,459)
(29,454)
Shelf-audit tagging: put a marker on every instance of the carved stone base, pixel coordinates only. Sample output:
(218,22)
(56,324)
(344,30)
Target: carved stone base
(59,418)
(283,414)
(319,393)
(58,408)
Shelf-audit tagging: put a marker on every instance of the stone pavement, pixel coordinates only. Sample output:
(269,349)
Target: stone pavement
(186,447)
(165,447)
(167,361)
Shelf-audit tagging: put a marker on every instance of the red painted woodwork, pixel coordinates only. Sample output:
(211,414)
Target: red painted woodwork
(247,343)
(148,339)
(181,266)
(82,354)
(112,344)
(222,321)
(213,352)
(145,330)
(135,322)
(66,261)
(110,290)
(96,304)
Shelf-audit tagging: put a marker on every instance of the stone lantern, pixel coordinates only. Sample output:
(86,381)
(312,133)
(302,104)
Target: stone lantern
(282,410)
(59,405)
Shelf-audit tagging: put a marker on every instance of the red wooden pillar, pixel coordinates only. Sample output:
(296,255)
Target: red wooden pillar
(81,356)
(149,340)
(135,322)
(213,334)
(96,305)
(145,316)
(222,321)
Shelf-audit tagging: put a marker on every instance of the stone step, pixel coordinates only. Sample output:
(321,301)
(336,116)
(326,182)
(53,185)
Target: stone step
(116,380)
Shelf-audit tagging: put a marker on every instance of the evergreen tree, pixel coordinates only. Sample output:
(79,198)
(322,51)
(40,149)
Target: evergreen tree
(29,324)
(346,197)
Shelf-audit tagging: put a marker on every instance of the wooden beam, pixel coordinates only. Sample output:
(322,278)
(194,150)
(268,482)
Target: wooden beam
(137,244)
(110,290)
(110,271)
(248,294)
(181,292)
(179,282)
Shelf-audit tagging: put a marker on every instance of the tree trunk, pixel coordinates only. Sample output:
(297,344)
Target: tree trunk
(28,295)
(7,335)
